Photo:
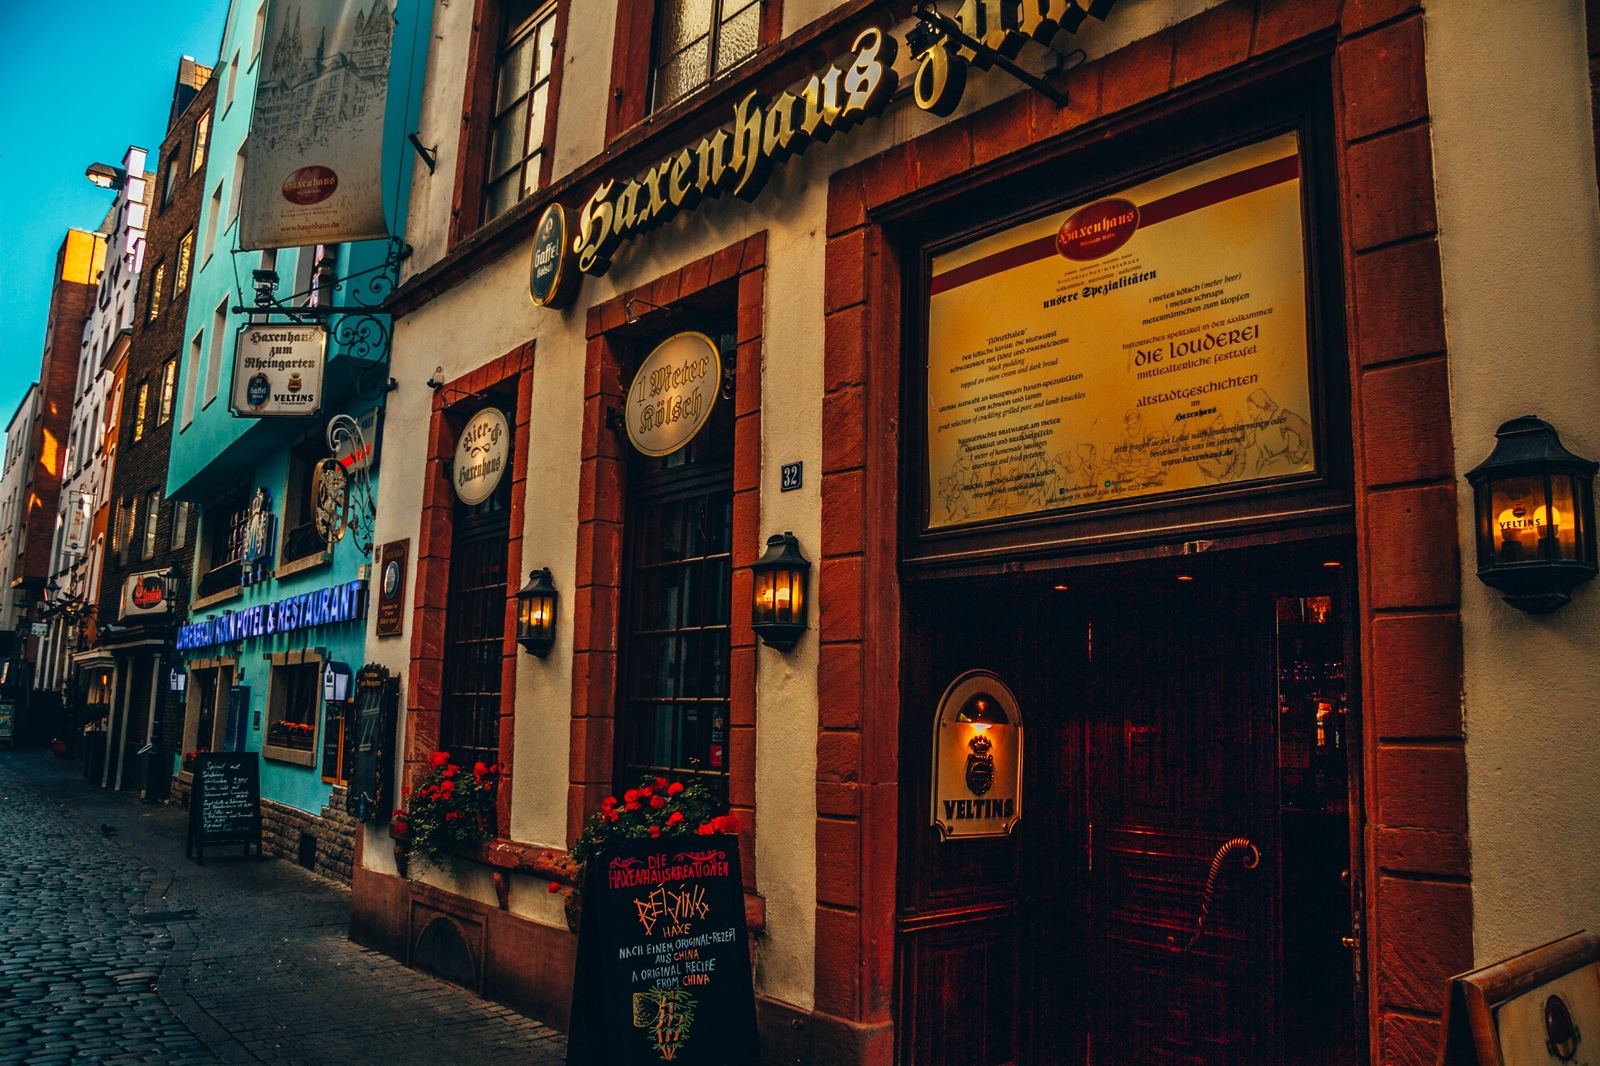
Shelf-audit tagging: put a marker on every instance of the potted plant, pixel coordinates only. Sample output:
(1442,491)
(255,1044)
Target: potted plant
(450,811)
(657,808)
(189,757)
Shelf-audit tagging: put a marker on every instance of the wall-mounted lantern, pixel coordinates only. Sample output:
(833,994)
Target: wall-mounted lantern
(1535,516)
(178,679)
(778,610)
(536,613)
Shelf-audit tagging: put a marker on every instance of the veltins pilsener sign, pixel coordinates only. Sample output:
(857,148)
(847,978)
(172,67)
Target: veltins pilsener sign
(673,393)
(277,371)
(977,758)
(482,452)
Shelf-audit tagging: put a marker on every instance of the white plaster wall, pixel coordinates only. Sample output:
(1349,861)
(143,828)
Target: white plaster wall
(585,85)
(439,128)
(1519,233)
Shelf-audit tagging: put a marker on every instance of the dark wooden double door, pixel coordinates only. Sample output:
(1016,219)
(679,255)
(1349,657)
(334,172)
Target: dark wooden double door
(1151,709)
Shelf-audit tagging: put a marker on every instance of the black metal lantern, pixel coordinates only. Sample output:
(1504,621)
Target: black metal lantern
(778,610)
(1535,516)
(536,613)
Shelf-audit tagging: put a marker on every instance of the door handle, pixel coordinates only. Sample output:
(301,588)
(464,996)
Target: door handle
(1252,859)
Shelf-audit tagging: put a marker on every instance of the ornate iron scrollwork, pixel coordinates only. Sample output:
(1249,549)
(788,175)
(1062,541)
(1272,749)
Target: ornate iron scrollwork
(353,452)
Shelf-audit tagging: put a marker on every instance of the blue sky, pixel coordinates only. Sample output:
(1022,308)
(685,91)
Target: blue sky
(79,82)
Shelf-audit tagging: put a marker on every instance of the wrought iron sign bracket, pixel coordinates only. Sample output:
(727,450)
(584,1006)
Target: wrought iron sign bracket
(935,23)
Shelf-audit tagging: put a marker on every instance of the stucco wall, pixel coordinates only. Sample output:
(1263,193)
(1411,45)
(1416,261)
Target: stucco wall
(1519,233)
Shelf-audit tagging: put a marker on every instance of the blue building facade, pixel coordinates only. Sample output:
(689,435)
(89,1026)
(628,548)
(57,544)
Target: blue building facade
(283,553)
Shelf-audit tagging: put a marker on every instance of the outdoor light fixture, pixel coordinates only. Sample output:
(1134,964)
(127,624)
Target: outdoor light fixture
(778,611)
(536,613)
(105,176)
(266,283)
(1535,516)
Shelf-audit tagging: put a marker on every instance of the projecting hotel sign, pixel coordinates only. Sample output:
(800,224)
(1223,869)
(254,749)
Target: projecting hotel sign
(673,393)
(277,371)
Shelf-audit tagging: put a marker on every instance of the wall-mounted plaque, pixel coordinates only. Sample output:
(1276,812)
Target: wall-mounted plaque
(1151,342)
(1540,1008)
(553,275)
(977,758)
(673,393)
(277,371)
(482,451)
(392,558)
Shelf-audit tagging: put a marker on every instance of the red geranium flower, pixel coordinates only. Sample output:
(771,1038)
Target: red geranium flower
(675,817)
(608,803)
(674,788)
(656,803)
(555,887)
(633,806)
(661,782)
(655,830)
(478,769)
(631,796)
(439,758)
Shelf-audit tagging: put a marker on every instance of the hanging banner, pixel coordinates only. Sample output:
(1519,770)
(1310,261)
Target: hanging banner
(1150,342)
(80,512)
(314,172)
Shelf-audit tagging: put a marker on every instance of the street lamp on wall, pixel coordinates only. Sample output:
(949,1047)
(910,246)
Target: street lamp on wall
(778,610)
(536,613)
(1534,516)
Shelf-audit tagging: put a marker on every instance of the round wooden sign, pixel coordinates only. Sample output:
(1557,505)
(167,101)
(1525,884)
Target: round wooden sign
(481,455)
(673,393)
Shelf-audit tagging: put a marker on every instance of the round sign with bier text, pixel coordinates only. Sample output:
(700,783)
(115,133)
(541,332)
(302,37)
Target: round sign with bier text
(482,453)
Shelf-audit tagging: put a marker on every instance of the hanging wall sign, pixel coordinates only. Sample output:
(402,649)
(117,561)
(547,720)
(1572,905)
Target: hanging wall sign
(1153,342)
(673,393)
(392,587)
(977,758)
(314,174)
(80,514)
(277,371)
(553,274)
(482,451)
(145,593)
(1540,1008)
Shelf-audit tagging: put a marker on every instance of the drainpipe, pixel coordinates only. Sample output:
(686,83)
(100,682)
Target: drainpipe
(150,720)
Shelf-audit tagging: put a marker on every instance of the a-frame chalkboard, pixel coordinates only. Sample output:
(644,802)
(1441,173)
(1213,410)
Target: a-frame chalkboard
(224,802)
(663,970)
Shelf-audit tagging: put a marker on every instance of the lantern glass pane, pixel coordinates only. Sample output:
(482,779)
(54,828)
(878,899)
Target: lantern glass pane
(797,596)
(1561,524)
(766,596)
(1516,505)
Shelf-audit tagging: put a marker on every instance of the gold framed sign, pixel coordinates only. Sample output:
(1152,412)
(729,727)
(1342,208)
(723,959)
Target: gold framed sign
(673,393)
(1540,1008)
(977,758)
(1150,342)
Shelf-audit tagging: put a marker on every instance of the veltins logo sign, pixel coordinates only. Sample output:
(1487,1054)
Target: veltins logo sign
(482,452)
(277,371)
(673,393)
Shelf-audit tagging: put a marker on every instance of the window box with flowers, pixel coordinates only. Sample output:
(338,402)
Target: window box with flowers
(657,808)
(189,758)
(450,812)
(294,698)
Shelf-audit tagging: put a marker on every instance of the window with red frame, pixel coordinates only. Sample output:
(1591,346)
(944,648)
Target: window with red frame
(524,58)
(698,40)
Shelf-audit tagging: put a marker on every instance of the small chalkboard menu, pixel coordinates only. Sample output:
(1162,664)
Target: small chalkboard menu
(224,802)
(663,970)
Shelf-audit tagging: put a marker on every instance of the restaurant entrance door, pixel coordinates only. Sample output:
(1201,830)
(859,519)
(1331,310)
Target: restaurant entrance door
(1179,887)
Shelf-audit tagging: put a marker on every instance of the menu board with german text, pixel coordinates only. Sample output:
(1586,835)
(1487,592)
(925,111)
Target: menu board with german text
(663,971)
(224,802)
(1152,341)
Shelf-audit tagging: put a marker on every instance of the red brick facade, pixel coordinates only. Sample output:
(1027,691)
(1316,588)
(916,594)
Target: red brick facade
(1418,891)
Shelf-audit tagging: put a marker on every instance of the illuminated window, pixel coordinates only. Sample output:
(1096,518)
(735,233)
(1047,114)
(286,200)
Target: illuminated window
(521,105)
(152,517)
(157,283)
(139,408)
(185,262)
(169,388)
(180,524)
(202,133)
(697,40)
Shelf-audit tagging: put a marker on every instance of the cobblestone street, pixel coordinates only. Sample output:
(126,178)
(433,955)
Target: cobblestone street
(118,950)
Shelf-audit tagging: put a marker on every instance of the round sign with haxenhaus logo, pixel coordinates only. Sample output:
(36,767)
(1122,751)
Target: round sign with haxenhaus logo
(553,275)
(482,452)
(673,393)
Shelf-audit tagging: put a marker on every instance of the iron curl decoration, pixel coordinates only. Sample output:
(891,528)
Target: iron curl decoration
(363,337)
(350,446)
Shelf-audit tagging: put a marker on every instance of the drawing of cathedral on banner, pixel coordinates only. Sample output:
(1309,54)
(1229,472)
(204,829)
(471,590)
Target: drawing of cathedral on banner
(1198,448)
(308,94)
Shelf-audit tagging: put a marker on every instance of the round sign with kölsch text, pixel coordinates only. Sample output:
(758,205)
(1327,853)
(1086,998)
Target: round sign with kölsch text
(553,276)
(482,453)
(673,393)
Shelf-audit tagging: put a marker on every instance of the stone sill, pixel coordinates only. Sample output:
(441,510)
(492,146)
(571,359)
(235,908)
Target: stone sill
(312,561)
(217,597)
(292,755)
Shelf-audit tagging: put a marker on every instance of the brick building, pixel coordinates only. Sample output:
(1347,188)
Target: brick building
(41,449)
(1143,401)
(146,577)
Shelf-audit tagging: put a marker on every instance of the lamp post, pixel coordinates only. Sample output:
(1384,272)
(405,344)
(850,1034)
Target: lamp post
(778,608)
(536,613)
(1534,503)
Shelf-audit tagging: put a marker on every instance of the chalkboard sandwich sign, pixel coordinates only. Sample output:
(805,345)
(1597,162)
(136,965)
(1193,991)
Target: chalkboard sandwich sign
(224,802)
(663,970)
